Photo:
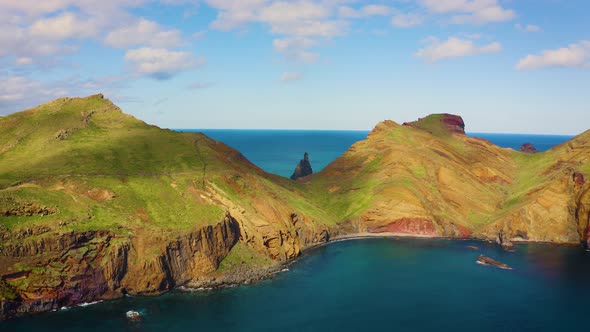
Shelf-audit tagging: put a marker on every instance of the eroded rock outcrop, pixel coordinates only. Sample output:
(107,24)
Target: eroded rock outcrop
(454,123)
(410,226)
(303,168)
(528,148)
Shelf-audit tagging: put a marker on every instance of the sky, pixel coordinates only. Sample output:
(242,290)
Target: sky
(505,66)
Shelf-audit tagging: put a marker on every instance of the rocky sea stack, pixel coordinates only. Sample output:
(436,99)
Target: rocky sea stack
(528,148)
(303,168)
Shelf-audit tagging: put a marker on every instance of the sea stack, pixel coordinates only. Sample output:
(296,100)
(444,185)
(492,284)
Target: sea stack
(528,148)
(303,168)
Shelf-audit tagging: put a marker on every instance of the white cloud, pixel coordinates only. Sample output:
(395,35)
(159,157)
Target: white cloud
(143,32)
(527,28)
(407,20)
(42,31)
(454,47)
(300,18)
(20,92)
(574,55)
(296,49)
(300,23)
(235,13)
(291,76)
(65,26)
(23,61)
(365,11)
(160,63)
(470,11)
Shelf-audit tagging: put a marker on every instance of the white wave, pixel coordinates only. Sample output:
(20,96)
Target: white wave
(85,304)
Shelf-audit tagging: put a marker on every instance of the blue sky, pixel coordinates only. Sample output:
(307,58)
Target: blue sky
(515,66)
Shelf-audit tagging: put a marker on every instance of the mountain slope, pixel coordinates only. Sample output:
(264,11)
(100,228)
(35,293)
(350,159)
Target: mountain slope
(95,203)
(428,178)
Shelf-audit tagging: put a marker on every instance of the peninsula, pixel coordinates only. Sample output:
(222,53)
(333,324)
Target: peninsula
(95,204)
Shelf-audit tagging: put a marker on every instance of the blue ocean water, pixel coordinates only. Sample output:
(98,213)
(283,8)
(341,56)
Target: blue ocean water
(279,151)
(363,285)
(515,141)
(382,284)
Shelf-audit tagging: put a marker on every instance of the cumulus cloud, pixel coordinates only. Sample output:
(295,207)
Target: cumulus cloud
(35,30)
(21,92)
(574,55)
(291,76)
(407,20)
(160,63)
(365,11)
(65,26)
(454,47)
(470,11)
(296,49)
(143,32)
(527,28)
(300,24)
(235,13)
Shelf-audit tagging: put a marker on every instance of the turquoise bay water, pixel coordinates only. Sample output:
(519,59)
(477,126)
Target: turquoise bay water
(369,285)
(363,285)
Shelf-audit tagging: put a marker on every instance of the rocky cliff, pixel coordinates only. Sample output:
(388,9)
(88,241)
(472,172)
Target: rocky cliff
(152,209)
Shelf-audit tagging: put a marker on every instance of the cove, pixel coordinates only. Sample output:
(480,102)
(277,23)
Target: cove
(394,284)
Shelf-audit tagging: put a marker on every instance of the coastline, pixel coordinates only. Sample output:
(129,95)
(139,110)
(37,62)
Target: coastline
(247,276)
(244,275)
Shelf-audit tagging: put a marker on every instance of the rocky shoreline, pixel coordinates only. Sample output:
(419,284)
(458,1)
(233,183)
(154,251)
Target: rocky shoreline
(244,275)
(240,276)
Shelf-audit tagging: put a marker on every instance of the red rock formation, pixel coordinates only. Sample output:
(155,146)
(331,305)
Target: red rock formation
(528,148)
(464,232)
(415,226)
(454,123)
(578,179)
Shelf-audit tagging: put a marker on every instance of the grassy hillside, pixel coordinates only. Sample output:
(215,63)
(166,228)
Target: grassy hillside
(95,167)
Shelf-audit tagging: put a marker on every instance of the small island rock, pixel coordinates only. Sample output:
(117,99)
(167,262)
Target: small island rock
(484,260)
(133,315)
(303,168)
(528,148)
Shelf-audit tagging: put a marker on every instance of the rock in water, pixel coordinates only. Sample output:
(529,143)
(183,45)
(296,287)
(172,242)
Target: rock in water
(303,168)
(484,260)
(133,315)
(528,148)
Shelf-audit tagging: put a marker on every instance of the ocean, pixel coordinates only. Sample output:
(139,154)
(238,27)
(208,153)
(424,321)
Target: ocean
(279,151)
(383,284)
(367,284)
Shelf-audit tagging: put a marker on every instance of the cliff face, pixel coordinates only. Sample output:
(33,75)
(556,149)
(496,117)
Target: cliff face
(84,267)
(152,209)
